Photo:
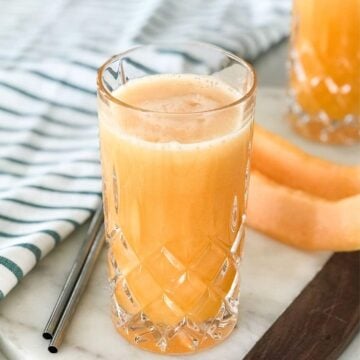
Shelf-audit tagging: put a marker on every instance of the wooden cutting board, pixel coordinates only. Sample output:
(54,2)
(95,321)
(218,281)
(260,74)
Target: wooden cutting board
(322,320)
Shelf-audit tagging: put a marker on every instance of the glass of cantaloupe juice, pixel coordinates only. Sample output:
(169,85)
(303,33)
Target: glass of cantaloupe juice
(325,70)
(175,135)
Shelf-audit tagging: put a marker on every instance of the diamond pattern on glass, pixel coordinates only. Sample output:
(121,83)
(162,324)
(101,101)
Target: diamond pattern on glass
(196,314)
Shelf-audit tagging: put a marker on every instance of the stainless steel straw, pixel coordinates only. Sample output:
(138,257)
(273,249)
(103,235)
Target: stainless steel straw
(78,290)
(77,278)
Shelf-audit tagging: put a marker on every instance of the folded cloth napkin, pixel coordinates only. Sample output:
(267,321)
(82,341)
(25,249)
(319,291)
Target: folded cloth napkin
(49,52)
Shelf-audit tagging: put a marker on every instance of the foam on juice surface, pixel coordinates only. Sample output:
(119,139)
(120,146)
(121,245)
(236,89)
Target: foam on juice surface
(177,109)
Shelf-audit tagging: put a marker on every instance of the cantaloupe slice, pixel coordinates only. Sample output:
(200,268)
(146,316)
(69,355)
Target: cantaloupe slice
(286,164)
(303,220)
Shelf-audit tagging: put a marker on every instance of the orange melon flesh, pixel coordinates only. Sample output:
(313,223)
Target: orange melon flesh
(288,165)
(301,219)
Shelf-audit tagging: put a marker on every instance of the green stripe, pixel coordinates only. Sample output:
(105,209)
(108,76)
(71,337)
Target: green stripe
(44,100)
(64,58)
(63,82)
(57,191)
(64,123)
(33,248)
(44,117)
(47,163)
(11,174)
(51,233)
(84,65)
(38,187)
(142,67)
(185,55)
(65,176)
(2,296)
(114,74)
(93,49)
(49,150)
(39,206)
(21,221)
(87,177)
(10,265)
(84,135)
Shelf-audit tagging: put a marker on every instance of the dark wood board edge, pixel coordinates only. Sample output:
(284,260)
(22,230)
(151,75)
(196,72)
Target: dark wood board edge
(323,318)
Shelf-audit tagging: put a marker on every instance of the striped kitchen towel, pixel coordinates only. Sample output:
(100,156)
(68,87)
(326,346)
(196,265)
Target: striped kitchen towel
(49,52)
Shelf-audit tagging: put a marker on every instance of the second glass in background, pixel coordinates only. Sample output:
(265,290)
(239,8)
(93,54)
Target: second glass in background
(325,70)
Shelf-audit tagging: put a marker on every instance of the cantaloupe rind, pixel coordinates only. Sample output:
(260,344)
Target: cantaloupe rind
(286,164)
(303,220)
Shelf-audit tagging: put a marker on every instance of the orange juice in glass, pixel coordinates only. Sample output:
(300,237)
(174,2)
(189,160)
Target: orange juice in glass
(325,70)
(175,146)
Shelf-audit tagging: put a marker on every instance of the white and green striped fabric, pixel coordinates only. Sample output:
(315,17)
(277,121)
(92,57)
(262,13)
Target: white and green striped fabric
(49,52)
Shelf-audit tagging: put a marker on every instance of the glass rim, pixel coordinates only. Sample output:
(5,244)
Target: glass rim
(102,89)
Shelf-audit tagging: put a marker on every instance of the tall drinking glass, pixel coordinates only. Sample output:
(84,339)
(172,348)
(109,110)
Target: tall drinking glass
(175,136)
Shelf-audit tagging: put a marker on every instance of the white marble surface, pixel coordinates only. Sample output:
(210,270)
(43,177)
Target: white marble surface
(272,275)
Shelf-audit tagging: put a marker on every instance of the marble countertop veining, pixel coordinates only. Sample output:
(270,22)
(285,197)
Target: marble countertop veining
(272,276)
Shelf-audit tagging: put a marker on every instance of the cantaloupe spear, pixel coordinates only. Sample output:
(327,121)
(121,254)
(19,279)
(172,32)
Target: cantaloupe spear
(303,220)
(288,165)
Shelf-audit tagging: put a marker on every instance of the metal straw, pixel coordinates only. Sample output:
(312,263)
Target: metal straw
(75,273)
(78,290)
